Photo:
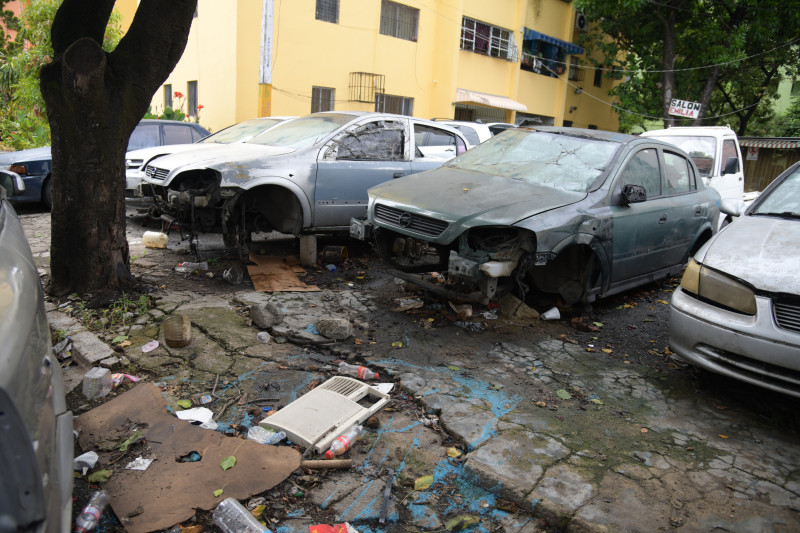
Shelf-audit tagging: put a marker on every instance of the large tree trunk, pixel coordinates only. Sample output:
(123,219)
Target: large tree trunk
(94,101)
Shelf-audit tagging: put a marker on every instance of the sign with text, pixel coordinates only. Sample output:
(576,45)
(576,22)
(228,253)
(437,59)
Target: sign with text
(684,108)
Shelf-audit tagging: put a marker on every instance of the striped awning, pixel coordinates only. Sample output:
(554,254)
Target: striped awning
(533,35)
(491,100)
(784,144)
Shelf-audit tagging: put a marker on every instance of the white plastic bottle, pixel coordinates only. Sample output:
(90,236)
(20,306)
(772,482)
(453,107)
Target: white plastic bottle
(344,441)
(90,516)
(232,517)
(360,372)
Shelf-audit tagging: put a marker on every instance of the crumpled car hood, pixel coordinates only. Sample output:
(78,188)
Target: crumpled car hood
(220,155)
(471,198)
(20,156)
(763,251)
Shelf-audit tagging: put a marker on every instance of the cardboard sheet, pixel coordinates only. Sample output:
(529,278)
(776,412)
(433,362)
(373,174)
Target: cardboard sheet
(277,274)
(168,491)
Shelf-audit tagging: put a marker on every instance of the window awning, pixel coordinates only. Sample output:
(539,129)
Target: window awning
(530,35)
(770,143)
(491,100)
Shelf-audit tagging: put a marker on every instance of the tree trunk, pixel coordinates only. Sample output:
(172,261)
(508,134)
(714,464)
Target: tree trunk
(668,64)
(94,101)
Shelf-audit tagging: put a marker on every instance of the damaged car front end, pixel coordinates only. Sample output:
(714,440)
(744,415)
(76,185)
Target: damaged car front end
(577,214)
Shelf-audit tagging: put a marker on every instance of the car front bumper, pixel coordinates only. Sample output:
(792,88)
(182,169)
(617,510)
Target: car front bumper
(749,348)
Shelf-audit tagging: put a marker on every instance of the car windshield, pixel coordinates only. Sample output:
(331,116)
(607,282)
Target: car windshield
(242,131)
(700,149)
(783,200)
(560,161)
(303,132)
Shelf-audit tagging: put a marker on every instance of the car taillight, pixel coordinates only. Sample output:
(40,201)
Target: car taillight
(22,170)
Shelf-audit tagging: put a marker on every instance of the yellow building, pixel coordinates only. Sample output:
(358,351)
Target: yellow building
(499,61)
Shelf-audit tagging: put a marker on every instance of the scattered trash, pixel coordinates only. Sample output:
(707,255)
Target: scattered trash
(97,382)
(188,268)
(360,372)
(196,414)
(464,311)
(472,326)
(139,464)
(490,315)
(387,494)
(330,268)
(90,515)
(234,275)
(551,314)
(117,379)
(150,346)
(206,398)
(311,328)
(263,435)
(155,239)
(343,442)
(191,457)
(263,337)
(385,388)
(177,331)
(85,462)
(334,254)
(64,348)
(405,304)
(437,277)
(336,528)
(233,517)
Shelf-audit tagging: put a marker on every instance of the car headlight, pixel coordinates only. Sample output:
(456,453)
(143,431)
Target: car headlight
(22,170)
(718,288)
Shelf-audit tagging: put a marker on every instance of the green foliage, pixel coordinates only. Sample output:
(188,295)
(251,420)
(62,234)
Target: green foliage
(23,118)
(787,124)
(121,312)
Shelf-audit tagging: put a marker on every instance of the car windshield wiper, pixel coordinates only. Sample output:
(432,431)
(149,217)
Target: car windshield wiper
(784,214)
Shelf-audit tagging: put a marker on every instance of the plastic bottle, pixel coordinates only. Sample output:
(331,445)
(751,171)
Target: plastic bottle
(344,441)
(188,268)
(232,517)
(361,372)
(90,516)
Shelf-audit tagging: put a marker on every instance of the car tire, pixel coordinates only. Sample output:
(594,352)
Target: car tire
(47,196)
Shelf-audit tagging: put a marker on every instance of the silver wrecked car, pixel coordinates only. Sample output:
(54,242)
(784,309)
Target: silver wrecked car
(737,310)
(308,175)
(36,439)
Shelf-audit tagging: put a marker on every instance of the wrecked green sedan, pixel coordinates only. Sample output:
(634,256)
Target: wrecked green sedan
(575,213)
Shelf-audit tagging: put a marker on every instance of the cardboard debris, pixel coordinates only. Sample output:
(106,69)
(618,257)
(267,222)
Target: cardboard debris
(277,274)
(169,491)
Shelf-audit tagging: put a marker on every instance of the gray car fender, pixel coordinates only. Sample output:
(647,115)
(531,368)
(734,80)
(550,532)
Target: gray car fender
(277,181)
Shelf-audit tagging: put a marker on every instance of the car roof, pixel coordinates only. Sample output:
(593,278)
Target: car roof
(586,133)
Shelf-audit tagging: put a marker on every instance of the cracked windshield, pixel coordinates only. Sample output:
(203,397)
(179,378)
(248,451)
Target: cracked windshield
(558,161)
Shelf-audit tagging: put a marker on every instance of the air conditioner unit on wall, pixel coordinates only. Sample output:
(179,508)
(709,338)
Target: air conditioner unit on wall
(580,21)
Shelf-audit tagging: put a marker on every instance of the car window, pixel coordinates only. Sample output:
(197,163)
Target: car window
(700,149)
(561,161)
(303,132)
(196,135)
(382,140)
(784,199)
(434,137)
(469,133)
(728,151)
(144,136)
(241,131)
(177,134)
(642,169)
(677,170)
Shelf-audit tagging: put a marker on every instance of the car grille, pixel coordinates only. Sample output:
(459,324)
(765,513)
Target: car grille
(787,314)
(416,223)
(156,173)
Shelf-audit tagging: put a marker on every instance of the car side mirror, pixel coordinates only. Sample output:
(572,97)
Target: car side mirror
(731,166)
(633,194)
(734,208)
(12,183)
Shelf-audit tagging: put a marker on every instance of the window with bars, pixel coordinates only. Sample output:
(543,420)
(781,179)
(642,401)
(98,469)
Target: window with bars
(486,39)
(576,73)
(389,103)
(322,99)
(191,98)
(168,95)
(398,20)
(328,10)
(598,78)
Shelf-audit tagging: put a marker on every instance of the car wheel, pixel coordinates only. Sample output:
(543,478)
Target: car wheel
(47,198)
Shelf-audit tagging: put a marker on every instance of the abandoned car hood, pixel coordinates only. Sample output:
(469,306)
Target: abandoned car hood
(763,251)
(471,198)
(219,155)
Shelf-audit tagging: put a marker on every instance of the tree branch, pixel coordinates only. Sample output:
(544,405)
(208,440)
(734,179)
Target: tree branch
(80,18)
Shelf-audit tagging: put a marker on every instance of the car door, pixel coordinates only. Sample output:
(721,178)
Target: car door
(729,185)
(640,229)
(365,154)
(444,145)
(686,211)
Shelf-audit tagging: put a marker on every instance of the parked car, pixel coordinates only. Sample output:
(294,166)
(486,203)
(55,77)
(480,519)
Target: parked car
(475,132)
(136,160)
(34,164)
(574,212)
(307,175)
(36,440)
(737,309)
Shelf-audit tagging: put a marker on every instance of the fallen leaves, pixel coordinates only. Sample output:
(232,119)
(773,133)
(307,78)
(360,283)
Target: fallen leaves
(423,482)
(228,462)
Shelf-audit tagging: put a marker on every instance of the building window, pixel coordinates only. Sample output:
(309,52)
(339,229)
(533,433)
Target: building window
(483,38)
(191,88)
(598,78)
(567,123)
(399,105)
(322,99)
(592,126)
(328,10)
(168,95)
(398,20)
(576,72)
